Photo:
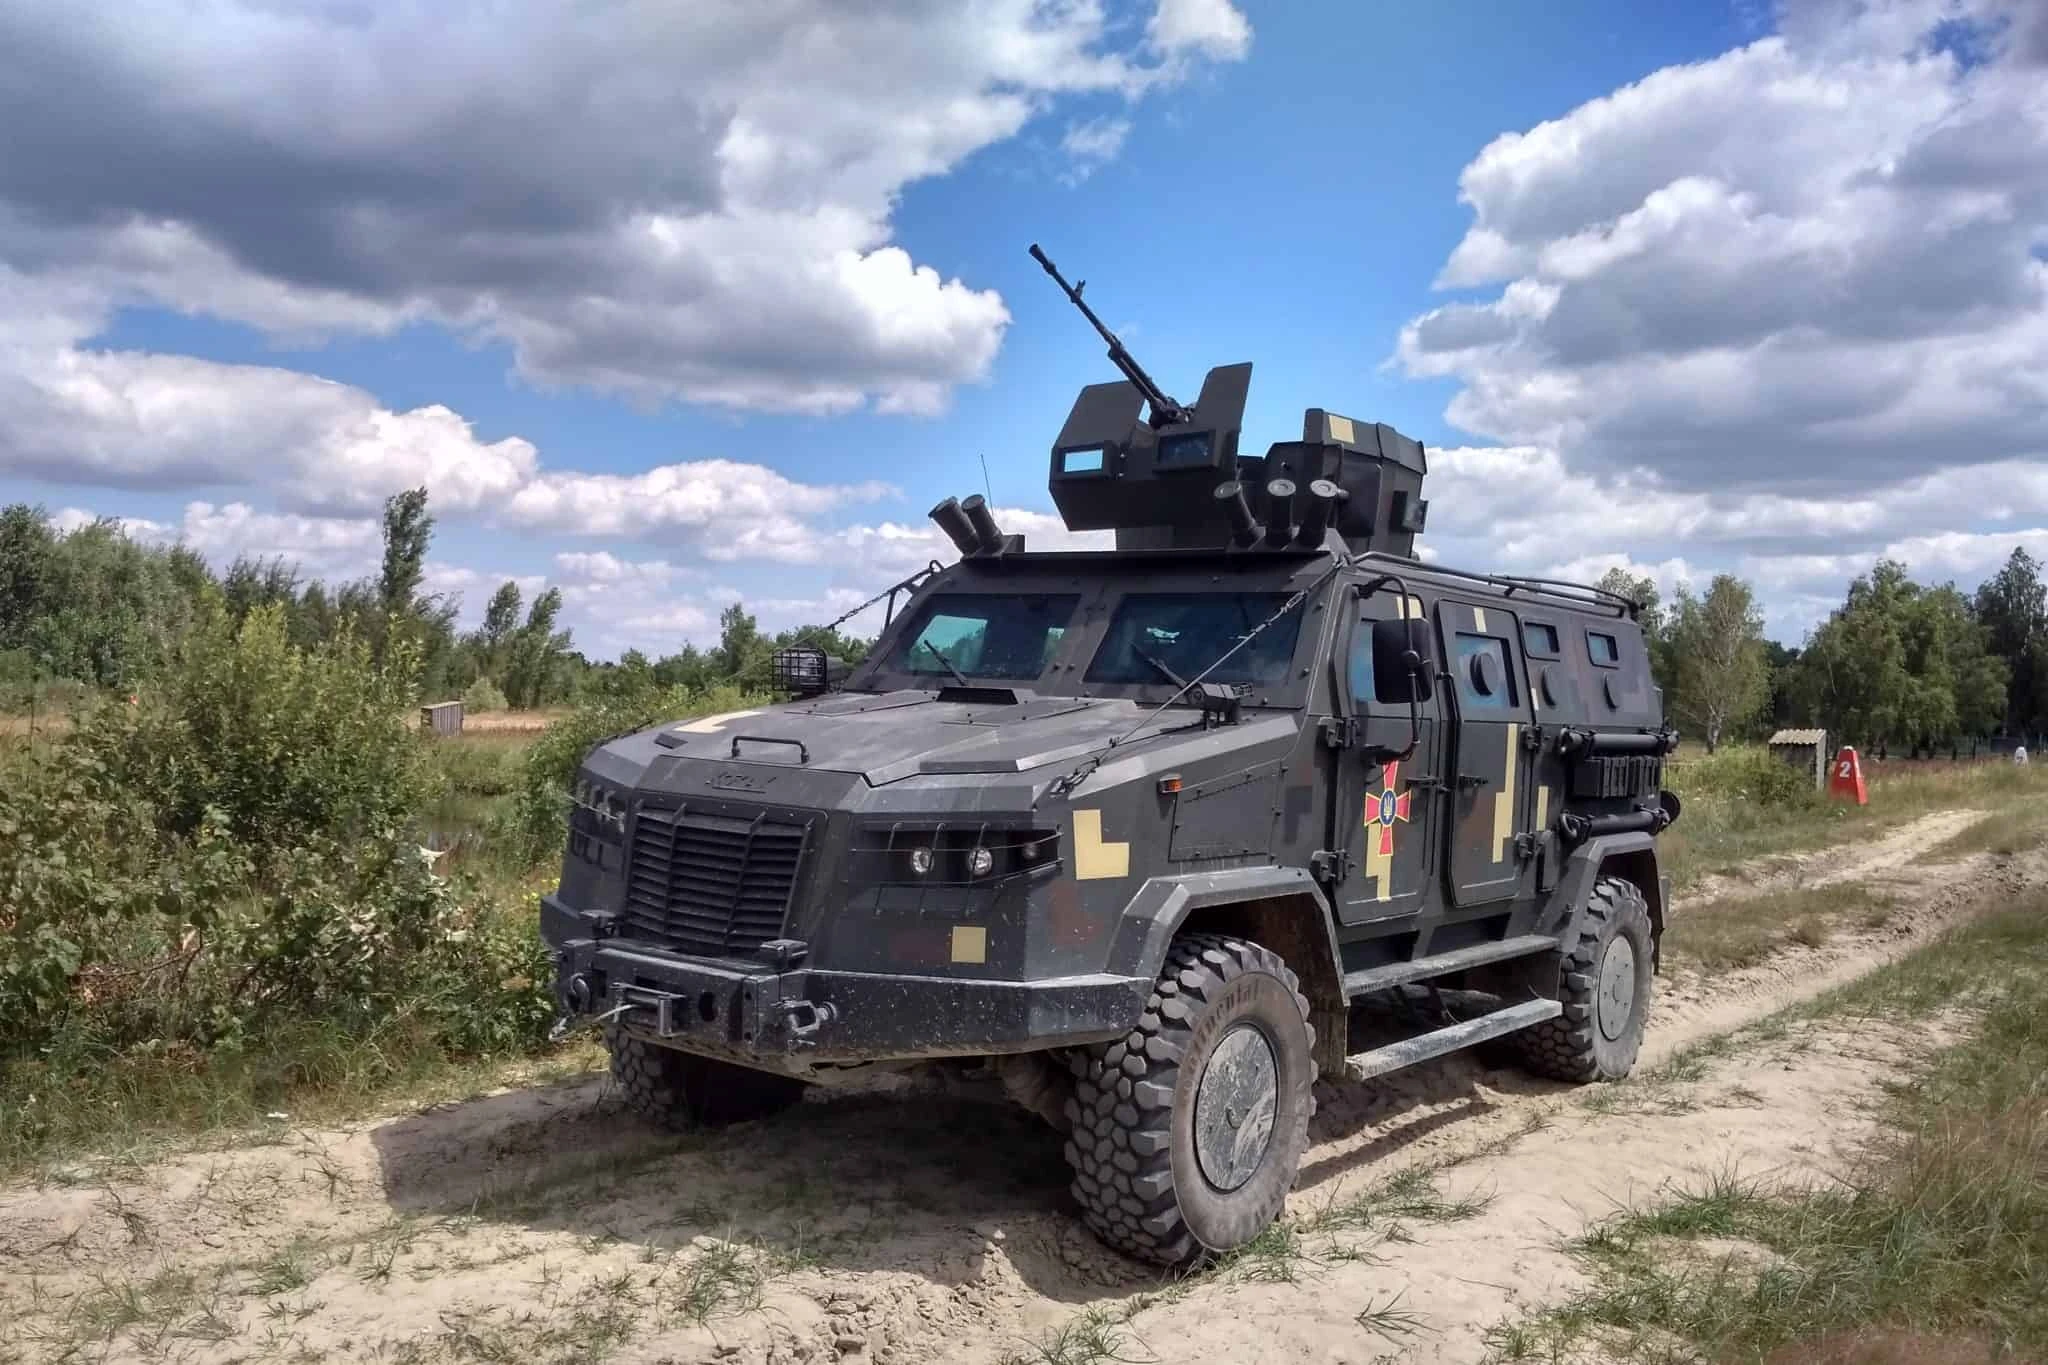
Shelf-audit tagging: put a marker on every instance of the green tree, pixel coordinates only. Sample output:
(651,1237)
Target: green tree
(1720,677)
(2012,606)
(27,547)
(408,530)
(742,655)
(501,619)
(534,652)
(1900,663)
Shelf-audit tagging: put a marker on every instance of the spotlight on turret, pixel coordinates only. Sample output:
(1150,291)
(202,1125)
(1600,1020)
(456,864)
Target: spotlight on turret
(986,532)
(1324,496)
(955,523)
(1279,511)
(1244,529)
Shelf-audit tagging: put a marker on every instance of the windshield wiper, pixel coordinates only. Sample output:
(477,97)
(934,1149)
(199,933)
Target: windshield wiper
(947,663)
(1160,664)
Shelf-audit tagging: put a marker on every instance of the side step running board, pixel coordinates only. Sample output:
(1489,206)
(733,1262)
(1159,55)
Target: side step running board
(1422,968)
(1409,1051)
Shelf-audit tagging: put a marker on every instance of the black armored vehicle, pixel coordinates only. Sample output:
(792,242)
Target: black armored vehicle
(1137,833)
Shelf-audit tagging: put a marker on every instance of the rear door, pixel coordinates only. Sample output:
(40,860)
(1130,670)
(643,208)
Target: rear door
(1490,772)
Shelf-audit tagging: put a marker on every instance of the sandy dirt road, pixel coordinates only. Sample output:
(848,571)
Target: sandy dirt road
(544,1224)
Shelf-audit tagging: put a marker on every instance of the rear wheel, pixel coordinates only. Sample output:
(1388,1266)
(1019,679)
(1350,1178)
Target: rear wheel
(1604,980)
(682,1090)
(1186,1135)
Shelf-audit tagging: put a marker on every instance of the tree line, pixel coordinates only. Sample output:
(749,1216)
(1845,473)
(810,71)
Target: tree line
(1899,665)
(96,608)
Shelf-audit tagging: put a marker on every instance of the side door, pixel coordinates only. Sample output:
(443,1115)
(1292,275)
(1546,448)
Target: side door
(1490,773)
(1388,812)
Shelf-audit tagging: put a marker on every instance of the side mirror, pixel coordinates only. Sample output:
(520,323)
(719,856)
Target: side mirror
(1403,661)
(1404,670)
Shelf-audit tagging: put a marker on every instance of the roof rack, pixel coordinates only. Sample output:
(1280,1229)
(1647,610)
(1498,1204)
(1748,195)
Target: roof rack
(1579,594)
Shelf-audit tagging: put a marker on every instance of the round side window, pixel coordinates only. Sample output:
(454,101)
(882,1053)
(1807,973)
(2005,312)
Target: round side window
(1485,674)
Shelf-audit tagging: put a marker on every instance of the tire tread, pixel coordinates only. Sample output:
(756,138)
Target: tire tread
(1121,1150)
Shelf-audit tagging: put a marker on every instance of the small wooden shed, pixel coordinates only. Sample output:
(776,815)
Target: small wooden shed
(442,718)
(1805,750)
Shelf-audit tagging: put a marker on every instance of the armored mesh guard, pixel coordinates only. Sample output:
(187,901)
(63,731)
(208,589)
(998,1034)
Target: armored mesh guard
(711,882)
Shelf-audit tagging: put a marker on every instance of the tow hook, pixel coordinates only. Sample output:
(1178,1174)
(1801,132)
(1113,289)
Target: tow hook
(803,1018)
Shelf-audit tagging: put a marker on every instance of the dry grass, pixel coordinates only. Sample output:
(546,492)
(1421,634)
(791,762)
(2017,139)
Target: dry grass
(1932,1247)
(2013,829)
(1728,821)
(498,722)
(1721,935)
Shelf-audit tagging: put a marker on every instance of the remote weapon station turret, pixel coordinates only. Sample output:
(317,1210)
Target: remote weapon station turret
(1154,838)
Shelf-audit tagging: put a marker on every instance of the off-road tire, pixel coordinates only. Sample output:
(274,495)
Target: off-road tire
(1576,1046)
(681,1090)
(1131,1144)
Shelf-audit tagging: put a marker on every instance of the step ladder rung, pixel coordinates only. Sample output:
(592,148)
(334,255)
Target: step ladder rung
(1371,979)
(1378,1062)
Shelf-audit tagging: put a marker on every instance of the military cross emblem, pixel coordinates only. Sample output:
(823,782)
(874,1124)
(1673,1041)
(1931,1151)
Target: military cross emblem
(1387,808)
(1383,809)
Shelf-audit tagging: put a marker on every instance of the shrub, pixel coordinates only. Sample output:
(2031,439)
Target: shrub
(1746,773)
(228,871)
(279,743)
(483,695)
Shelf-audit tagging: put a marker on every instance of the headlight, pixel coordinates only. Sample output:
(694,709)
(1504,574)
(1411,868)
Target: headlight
(931,854)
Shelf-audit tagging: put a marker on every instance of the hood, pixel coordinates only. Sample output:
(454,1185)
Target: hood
(889,736)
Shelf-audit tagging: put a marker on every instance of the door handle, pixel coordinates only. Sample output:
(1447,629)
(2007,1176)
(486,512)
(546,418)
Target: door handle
(1473,780)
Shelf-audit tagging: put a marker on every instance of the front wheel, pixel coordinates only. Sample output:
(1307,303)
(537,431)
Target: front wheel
(1186,1134)
(1604,982)
(681,1090)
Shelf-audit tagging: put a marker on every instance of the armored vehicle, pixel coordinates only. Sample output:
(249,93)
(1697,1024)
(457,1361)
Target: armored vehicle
(1139,833)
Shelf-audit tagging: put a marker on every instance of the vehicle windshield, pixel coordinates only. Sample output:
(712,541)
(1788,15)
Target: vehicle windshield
(1186,632)
(985,635)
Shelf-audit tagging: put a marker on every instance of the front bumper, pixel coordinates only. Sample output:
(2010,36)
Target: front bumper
(755,1012)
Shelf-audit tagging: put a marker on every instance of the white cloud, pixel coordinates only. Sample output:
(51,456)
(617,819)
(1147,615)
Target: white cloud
(603,567)
(660,200)
(725,500)
(1810,263)
(133,419)
(1780,312)
(1524,510)
(1092,144)
(1213,28)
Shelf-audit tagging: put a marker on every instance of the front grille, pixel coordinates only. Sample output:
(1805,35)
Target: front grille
(710,882)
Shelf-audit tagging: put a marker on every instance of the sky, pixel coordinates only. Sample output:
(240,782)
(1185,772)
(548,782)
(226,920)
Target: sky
(676,305)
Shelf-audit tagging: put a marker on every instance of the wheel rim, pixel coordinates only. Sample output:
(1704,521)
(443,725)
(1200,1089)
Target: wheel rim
(1235,1106)
(1616,1001)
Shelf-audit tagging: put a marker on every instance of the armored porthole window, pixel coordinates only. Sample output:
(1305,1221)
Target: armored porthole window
(1485,675)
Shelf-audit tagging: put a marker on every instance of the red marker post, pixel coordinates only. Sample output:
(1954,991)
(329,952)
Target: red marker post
(1845,778)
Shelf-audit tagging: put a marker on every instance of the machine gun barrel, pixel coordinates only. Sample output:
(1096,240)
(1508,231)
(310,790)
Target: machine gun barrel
(1165,411)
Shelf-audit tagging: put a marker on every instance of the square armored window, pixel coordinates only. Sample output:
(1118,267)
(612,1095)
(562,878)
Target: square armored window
(1603,649)
(1540,639)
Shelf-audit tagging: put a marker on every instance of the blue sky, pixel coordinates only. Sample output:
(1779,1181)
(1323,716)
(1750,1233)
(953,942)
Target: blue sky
(1659,328)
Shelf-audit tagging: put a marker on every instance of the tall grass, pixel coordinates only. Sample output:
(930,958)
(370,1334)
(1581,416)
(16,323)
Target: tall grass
(1741,803)
(1934,1245)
